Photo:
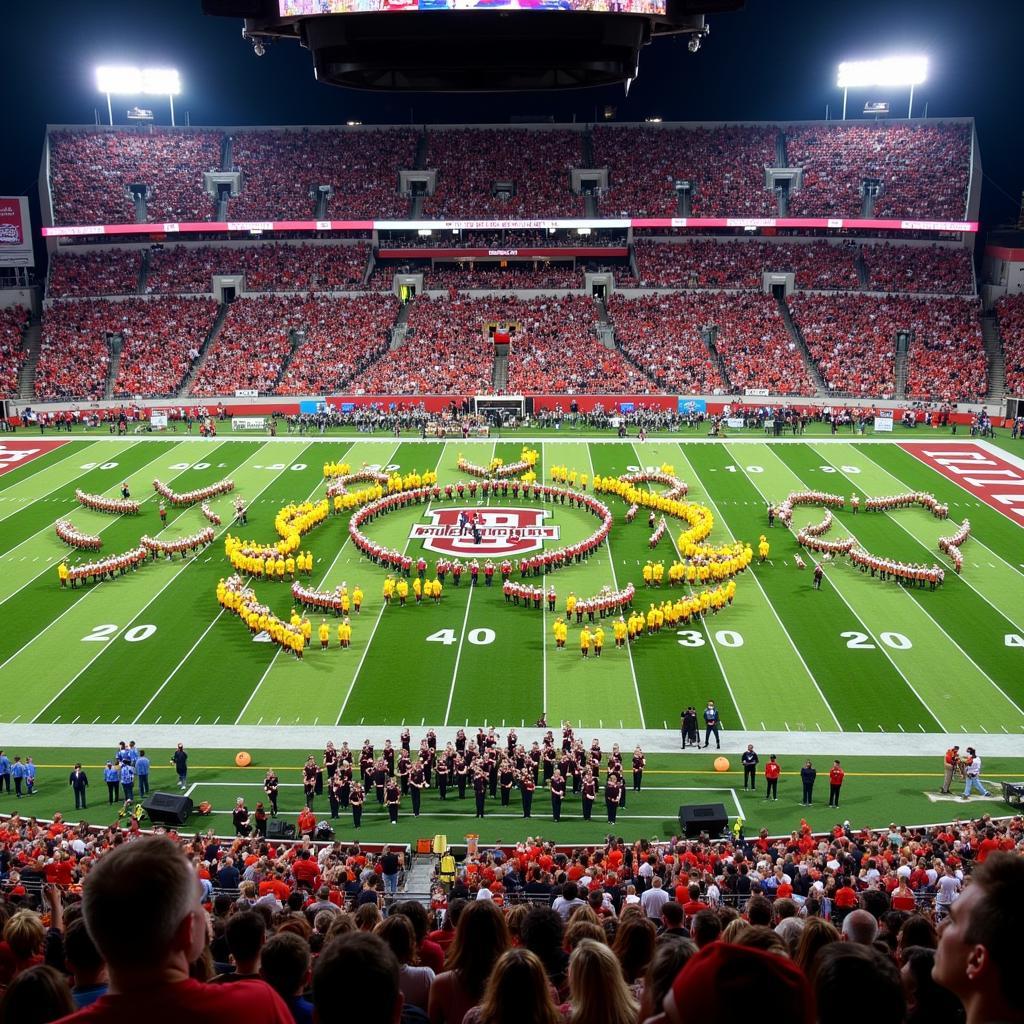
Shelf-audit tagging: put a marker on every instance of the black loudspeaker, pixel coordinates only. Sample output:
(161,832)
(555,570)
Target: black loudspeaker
(278,829)
(697,818)
(167,808)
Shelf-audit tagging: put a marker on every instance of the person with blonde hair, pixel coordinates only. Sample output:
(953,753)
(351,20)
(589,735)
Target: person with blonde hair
(517,993)
(24,934)
(598,993)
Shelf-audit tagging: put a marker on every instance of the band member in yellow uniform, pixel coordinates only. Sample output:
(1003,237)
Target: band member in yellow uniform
(357,599)
(762,548)
(389,589)
(585,642)
(324,632)
(62,573)
(620,629)
(417,589)
(402,592)
(570,606)
(344,632)
(598,642)
(289,567)
(560,631)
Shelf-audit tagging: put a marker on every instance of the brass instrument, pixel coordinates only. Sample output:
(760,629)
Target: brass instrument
(960,768)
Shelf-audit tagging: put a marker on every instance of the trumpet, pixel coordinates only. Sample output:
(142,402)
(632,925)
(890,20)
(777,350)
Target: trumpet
(960,768)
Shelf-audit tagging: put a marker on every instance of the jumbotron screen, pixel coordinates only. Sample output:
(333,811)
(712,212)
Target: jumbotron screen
(306,8)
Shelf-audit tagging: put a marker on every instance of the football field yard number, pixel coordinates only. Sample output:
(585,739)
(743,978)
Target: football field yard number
(478,637)
(724,638)
(857,641)
(844,469)
(101,634)
(99,465)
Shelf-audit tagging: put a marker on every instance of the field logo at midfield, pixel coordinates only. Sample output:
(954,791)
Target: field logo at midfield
(503,531)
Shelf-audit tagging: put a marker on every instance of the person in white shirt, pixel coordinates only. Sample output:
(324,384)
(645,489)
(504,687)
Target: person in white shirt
(631,898)
(653,900)
(948,891)
(568,901)
(972,774)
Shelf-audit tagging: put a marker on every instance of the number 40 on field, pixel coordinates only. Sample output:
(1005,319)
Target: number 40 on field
(478,637)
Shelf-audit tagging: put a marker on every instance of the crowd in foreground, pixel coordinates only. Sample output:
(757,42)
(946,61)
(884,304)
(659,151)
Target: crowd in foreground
(212,930)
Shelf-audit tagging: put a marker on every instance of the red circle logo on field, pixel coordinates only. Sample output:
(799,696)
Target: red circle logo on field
(503,532)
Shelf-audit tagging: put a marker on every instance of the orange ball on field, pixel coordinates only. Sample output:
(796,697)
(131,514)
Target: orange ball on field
(243,759)
(721,764)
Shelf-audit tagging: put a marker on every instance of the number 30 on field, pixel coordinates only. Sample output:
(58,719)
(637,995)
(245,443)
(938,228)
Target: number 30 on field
(477,637)
(101,634)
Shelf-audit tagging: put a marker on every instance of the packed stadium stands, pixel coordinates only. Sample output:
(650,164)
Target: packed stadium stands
(74,356)
(852,338)
(104,272)
(510,276)
(725,164)
(470,162)
(660,334)
(252,346)
(281,166)
(946,359)
(275,267)
(1010,314)
(12,353)
(922,169)
(341,335)
(91,171)
(917,268)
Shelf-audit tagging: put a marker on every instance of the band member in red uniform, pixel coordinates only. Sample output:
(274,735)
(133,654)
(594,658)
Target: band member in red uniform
(772,771)
(442,777)
(639,764)
(835,783)
(417,783)
(380,778)
(334,794)
(488,572)
(612,796)
(589,794)
(506,780)
(356,799)
(557,787)
(527,786)
(480,790)
(461,770)
(309,779)
(404,768)
(392,797)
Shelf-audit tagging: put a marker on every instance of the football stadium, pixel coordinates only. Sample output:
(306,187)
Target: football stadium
(589,538)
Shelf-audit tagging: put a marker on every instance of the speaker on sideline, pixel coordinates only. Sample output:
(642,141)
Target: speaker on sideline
(278,829)
(167,808)
(697,818)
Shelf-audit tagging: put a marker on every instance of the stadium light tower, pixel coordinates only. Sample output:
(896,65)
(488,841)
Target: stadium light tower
(126,81)
(890,71)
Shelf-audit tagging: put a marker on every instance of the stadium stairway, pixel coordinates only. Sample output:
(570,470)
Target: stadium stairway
(717,361)
(862,271)
(798,340)
(226,152)
(116,343)
(140,209)
(211,337)
(499,374)
(140,287)
(994,354)
(781,160)
(901,374)
(31,341)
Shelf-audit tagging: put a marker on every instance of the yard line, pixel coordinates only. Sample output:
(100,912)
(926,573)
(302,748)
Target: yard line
(465,618)
(543,619)
(380,615)
(703,623)
(104,647)
(341,547)
(615,583)
(799,654)
(882,647)
(981,671)
(45,496)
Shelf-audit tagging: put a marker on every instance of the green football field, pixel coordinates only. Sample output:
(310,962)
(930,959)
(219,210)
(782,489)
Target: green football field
(153,648)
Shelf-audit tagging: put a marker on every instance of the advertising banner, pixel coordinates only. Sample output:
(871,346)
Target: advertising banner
(687,406)
(15,233)
(883,424)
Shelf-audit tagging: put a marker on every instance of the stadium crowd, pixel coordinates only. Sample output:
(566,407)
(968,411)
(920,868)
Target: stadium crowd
(1010,315)
(852,338)
(659,333)
(816,927)
(919,268)
(282,167)
(471,162)
(85,274)
(946,359)
(12,353)
(725,164)
(251,347)
(74,353)
(922,169)
(275,267)
(498,276)
(342,335)
(91,171)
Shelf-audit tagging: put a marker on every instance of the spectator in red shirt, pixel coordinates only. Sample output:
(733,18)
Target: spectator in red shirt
(307,823)
(141,906)
(305,868)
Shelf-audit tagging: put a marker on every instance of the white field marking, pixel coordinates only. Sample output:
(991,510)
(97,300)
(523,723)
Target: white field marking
(980,670)
(380,615)
(543,624)
(341,547)
(134,618)
(974,539)
(707,631)
(810,675)
(45,496)
(191,789)
(49,527)
(882,647)
(465,618)
(615,583)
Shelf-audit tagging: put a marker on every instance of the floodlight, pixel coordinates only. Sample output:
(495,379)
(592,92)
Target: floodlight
(891,71)
(127,81)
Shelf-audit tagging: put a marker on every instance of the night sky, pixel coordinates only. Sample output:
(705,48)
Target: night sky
(772,60)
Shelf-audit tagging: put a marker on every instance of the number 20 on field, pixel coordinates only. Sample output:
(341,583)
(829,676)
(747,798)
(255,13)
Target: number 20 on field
(101,634)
